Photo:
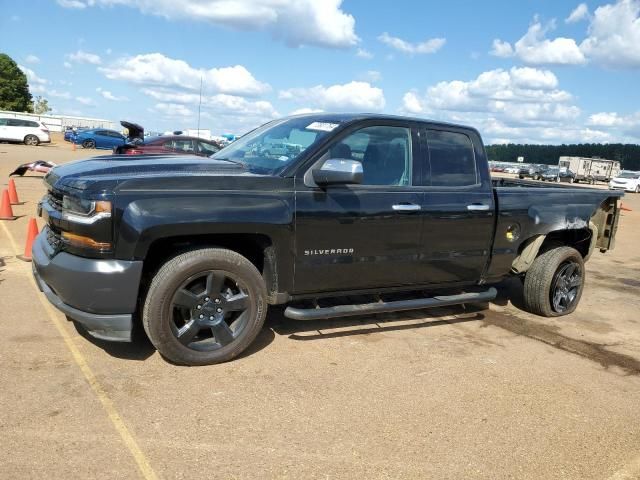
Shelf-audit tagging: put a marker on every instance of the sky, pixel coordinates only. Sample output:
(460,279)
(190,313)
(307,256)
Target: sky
(538,71)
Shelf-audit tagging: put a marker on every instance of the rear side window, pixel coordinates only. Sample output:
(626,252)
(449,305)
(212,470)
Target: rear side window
(451,158)
(31,124)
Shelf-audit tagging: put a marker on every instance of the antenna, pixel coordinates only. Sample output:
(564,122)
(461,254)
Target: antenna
(199,105)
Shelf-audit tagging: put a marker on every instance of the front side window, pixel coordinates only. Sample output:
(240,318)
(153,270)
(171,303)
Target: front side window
(14,122)
(207,148)
(384,151)
(3,122)
(451,159)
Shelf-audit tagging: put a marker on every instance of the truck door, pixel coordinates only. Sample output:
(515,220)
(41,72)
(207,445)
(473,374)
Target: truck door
(352,237)
(458,207)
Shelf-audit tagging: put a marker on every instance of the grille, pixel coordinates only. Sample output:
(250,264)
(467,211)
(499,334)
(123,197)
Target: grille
(54,239)
(55,200)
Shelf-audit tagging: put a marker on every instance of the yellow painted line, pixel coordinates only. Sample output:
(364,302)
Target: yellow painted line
(130,442)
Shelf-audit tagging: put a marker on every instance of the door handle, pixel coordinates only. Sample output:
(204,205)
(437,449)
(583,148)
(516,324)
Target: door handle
(406,207)
(478,207)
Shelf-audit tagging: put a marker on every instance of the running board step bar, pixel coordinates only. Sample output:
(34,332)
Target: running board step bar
(381,307)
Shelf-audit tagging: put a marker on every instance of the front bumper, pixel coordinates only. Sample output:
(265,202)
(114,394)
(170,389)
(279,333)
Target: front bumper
(99,294)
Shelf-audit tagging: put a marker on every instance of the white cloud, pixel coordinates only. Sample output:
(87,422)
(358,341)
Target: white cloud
(84,57)
(614,35)
(296,22)
(158,70)
(85,100)
(67,65)
(32,59)
(411,103)
(605,119)
(32,78)
(362,53)
(219,103)
(172,110)
(360,96)
(301,111)
(372,76)
(428,46)
(110,96)
(579,13)
(501,49)
(79,4)
(518,104)
(535,49)
(57,94)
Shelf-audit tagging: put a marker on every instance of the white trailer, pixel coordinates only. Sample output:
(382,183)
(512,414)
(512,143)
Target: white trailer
(590,169)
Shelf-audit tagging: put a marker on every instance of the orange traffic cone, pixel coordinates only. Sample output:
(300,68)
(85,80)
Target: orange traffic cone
(13,193)
(73,146)
(6,212)
(32,233)
(625,209)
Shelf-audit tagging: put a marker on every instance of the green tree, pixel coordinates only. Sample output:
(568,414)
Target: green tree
(41,105)
(14,90)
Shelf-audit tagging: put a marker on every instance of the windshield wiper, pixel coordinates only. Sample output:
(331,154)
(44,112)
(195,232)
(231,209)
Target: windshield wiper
(227,160)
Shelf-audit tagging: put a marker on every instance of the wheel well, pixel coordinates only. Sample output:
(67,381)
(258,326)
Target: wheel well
(580,239)
(575,238)
(250,246)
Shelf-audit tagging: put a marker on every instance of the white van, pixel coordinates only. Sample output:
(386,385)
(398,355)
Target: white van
(30,132)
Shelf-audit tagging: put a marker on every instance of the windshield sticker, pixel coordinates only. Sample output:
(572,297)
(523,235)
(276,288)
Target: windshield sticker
(321,126)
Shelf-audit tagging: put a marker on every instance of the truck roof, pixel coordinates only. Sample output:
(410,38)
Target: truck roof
(353,117)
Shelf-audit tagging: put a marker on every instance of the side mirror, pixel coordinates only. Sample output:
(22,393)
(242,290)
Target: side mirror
(338,172)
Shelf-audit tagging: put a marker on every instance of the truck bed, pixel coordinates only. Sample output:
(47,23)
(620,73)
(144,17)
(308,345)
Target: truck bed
(528,209)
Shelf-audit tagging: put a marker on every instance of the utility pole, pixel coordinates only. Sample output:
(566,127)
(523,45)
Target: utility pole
(199,105)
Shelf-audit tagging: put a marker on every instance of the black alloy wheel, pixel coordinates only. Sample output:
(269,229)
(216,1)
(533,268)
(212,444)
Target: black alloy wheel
(209,310)
(89,144)
(566,285)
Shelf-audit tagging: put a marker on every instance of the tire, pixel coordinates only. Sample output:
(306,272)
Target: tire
(196,334)
(89,144)
(556,275)
(32,140)
(637,188)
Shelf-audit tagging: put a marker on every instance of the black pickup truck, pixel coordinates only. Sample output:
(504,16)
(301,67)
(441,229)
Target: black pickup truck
(355,214)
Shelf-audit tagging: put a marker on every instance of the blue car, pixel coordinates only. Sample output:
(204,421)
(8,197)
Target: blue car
(98,138)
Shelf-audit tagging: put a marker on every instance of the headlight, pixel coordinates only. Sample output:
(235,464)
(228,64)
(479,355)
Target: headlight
(84,211)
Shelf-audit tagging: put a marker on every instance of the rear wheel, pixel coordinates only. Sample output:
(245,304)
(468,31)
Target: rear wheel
(553,285)
(32,140)
(205,306)
(89,144)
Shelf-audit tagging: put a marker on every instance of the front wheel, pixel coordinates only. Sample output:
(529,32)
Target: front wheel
(554,283)
(205,306)
(31,140)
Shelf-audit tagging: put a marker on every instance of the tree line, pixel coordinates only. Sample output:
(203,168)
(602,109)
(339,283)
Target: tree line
(14,89)
(627,154)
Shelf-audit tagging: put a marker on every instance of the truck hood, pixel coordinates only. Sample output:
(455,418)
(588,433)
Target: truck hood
(110,170)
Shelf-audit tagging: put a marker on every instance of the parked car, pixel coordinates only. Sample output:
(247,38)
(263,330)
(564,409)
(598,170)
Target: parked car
(29,132)
(532,171)
(71,132)
(626,180)
(174,144)
(511,169)
(98,138)
(555,174)
(199,248)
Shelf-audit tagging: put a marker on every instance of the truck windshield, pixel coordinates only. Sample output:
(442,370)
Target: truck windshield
(271,147)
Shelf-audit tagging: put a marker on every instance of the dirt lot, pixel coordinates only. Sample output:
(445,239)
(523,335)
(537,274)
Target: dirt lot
(445,394)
